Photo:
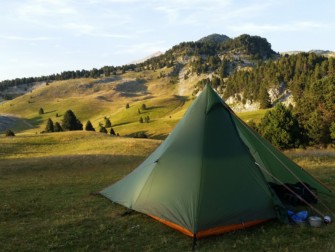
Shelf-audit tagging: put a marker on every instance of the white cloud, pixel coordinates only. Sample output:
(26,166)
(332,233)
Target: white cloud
(32,9)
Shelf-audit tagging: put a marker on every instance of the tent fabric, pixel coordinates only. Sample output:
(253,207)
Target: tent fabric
(206,176)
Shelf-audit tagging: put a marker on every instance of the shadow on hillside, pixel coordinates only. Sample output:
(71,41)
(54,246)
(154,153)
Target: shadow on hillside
(33,122)
(132,88)
(120,124)
(143,133)
(181,98)
(108,79)
(7,122)
(159,137)
(152,107)
(48,112)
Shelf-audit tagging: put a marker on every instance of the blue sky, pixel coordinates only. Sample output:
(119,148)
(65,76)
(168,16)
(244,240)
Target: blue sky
(40,37)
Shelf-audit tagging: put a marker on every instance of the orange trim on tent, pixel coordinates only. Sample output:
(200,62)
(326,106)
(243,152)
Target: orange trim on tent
(173,225)
(211,231)
(232,227)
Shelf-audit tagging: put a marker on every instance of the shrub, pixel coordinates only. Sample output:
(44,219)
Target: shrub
(9,133)
(140,134)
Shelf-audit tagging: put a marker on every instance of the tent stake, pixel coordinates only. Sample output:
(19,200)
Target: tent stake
(194,243)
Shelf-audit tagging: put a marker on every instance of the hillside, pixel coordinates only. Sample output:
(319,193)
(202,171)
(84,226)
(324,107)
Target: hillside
(95,99)
(244,70)
(165,84)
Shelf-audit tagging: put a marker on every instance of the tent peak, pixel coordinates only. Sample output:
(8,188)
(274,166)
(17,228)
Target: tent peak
(213,99)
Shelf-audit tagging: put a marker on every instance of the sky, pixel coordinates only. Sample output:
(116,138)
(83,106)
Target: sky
(42,37)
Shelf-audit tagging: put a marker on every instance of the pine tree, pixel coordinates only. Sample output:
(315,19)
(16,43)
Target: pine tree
(70,121)
(144,107)
(103,130)
(318,129)
(89,126)
(141,119)
(332,131)
(280,127)
(50,126)
(41,111)
(112,132)
(127,106)
(108,123)
(264,98)
(57,127)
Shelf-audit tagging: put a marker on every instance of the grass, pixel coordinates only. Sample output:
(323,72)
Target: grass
(95,99)
(46,203)
(255,116)
(46,180)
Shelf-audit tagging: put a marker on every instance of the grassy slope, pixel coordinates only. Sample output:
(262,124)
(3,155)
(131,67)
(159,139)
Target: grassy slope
(95,99)
(45,201)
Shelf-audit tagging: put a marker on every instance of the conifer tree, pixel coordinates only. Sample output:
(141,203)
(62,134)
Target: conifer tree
(108,123)
(103,130)
(332,131)
(50,126)
(280,127)
(112,132)
(70,121)
(264,98)
(89,126)
(57,127)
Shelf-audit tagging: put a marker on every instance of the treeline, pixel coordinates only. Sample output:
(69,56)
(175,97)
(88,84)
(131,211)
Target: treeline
(297,72)
(105,71)
(284,129)
(310,78)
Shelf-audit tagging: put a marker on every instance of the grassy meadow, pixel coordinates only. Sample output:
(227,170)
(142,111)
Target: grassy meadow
(48,181)
(46,200)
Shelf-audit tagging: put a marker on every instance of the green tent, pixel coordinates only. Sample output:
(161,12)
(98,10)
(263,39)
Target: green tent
(210,175)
